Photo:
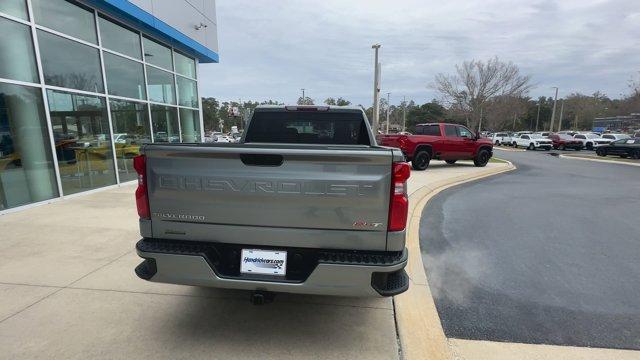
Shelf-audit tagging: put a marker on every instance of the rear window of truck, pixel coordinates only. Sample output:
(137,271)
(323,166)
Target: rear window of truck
(300,127)
(428,130)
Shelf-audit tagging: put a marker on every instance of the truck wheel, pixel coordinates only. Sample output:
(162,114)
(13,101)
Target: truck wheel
(601,152)
(450,162)
(635,154)
(589,146)
(515,144)
(531,147)
(421,160)
(497,142)
(562,147)
(482,158)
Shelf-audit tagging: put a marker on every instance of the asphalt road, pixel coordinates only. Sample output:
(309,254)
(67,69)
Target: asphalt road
(548,253)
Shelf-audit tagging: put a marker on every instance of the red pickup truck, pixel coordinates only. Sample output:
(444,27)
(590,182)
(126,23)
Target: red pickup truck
(440,141)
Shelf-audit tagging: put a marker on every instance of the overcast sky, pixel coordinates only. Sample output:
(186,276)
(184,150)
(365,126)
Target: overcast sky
(271,49)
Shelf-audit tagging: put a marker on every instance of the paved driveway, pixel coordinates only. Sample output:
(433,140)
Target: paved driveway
(68,291)
(548,253)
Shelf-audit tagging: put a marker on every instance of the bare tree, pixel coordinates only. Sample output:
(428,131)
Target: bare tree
(477,82)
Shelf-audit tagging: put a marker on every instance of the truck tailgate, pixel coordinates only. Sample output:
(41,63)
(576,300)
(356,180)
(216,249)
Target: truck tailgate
(318,197)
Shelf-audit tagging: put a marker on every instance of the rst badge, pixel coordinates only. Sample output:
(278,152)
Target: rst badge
(366,225)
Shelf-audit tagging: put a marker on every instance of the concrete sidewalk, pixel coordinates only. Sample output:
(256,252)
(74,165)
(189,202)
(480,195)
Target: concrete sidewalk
(68,291)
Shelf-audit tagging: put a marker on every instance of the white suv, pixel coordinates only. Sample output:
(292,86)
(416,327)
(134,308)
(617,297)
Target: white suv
(591,141)
(533,142)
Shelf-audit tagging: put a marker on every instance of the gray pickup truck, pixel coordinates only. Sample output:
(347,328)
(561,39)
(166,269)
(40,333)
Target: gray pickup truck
(306,203)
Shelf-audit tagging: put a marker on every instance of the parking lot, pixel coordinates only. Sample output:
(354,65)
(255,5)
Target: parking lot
(545,254)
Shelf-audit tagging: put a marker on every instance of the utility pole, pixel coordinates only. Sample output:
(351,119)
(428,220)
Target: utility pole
(388,106)
(538,116)
(376,88)
(404,114)
(560,119)
(303,95)
(553,113)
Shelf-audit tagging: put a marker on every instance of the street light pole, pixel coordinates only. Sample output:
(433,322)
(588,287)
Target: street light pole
(561,111)
(376,88)
(538,116)
(404,114)
(553,113)
(388,106)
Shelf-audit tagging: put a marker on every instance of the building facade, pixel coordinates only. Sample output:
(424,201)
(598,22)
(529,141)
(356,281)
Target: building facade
(83,84)
(617,123)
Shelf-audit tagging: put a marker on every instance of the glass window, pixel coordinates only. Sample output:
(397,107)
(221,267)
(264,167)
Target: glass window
(187,92)
(161,86)
(118,38)
(185,65)
(65,17)
(130,130)
(157,54)
(26,165)
(17,59)
(69,64)
(304,127)
(190,125)
(124,77)
(83,141)
(433,130)
(450,131)
(464,132)
(165,123)
(17,8)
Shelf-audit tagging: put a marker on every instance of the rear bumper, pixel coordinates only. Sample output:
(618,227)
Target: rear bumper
(325,272)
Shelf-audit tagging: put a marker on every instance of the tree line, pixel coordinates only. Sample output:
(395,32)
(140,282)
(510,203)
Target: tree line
(491,94)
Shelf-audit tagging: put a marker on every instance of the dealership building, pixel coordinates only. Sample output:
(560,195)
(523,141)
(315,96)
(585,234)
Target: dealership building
(84,83)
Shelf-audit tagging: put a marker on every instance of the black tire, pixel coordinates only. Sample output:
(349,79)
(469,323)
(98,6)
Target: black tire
(421,160)
(624,156)
(515,144)
(635,154)
(482,158)
(497,142)
(601,152)
(562,147)
(531,147)
(589,146)
(450,162)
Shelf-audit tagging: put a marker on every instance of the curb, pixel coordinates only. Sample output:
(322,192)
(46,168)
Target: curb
(418,323)
(598,160)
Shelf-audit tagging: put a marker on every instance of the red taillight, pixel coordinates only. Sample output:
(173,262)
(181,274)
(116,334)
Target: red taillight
(399,204)
(142,199)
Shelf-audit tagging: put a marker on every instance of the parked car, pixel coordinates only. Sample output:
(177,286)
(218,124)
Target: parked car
(590,140)
(624,148)
(533,142)
(614,137)
(500,138)
(287,210)
(440,141)
(564,141)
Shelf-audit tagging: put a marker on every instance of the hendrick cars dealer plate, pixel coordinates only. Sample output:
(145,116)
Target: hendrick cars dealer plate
(263,262)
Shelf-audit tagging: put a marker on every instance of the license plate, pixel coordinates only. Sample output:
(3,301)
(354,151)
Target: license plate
(263,262)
